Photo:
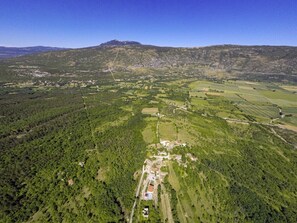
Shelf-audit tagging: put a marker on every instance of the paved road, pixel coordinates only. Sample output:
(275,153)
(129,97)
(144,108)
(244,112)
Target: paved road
(137,194)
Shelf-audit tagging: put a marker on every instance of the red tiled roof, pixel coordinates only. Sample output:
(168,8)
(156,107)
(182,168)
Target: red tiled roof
(150,188)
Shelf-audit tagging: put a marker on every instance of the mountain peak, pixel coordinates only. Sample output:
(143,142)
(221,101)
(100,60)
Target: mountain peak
(119,43)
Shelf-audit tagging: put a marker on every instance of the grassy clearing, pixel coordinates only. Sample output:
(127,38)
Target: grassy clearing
(185,135)
(150,111)
(107,125)
(167,131)
(199,102)
(149,132)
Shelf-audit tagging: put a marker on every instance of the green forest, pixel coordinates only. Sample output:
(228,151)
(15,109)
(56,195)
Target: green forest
(55,166)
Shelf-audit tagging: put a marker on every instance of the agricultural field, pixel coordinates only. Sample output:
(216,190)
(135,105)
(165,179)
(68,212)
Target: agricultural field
(259,101)
(225,151)
(150,111)
(149,132)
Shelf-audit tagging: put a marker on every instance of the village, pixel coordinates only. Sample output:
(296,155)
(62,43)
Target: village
(151,193)
(153,175)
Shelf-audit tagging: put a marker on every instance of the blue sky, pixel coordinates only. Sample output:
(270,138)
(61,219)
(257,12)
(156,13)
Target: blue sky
(80,23)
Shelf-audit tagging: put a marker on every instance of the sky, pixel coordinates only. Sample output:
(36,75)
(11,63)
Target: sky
(182,23)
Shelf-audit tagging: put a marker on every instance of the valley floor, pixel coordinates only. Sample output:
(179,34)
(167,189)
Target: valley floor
(148,150)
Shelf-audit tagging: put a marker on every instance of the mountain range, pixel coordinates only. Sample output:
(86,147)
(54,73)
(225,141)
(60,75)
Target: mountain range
(130,57)
(8,52)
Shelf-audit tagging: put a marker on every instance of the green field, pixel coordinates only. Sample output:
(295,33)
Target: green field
(261,101)
(149,132)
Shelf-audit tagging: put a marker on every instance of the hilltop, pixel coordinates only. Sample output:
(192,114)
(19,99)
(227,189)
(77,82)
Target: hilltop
(119,43)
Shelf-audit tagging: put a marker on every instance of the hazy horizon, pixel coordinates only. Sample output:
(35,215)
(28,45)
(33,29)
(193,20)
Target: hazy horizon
(227,44)
(75,24)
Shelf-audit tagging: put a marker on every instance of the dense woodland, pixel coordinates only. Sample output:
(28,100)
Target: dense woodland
(45,135)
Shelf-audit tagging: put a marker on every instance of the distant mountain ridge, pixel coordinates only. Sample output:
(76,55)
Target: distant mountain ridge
(119,43)
(9,52)
(275,63)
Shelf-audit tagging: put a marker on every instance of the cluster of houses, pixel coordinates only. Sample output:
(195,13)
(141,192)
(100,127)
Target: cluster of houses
(155,175)
(171,144)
